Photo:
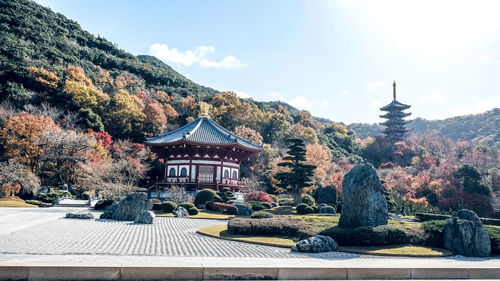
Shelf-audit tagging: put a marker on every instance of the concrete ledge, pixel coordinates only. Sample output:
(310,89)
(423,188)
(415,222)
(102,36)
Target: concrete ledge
(161,273)
(14,272)
(378,273)
(215,272)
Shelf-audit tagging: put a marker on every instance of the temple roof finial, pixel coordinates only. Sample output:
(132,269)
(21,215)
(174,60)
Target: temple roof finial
(204,108)
(394,90)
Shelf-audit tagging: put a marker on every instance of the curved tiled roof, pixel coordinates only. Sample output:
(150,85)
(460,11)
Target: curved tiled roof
(203,131)
(395,105)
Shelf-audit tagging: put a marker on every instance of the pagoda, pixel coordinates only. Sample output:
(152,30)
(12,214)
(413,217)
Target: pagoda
(201,154)
(395,124)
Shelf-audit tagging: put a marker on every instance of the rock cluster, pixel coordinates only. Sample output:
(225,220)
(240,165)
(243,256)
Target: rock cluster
(316,244)
(147,217)
(243,209)
(129,208)
(363,200)
(326,209)
(181,212)
(82,216)
(464,234)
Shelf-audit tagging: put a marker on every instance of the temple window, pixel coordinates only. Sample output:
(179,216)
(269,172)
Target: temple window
(184,172)
(235,174)
(226,173)
(171,172)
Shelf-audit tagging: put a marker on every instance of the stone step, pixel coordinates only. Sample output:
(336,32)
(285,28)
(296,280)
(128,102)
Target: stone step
(11,271)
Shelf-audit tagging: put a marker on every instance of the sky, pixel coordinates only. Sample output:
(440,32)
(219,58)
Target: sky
(335,58)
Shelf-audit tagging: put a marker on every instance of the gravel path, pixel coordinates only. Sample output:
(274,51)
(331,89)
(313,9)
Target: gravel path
(167,237)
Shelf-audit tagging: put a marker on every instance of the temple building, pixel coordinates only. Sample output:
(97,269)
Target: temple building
(201,154)
(395,124)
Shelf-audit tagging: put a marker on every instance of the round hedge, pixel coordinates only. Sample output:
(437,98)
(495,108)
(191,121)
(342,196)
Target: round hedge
(261,215)
(308,199)
(256,205)
(206,195)
(304,209)
(274,197)
(168,207)
(187,205)
(193,211)
(102,204)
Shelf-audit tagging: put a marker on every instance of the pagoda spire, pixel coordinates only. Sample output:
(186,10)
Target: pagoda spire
(394,116)
(394,90)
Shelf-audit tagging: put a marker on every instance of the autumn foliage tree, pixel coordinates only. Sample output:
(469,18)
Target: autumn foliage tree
(20,134)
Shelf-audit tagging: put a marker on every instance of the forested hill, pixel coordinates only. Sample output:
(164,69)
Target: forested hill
(33,35)
(479,127)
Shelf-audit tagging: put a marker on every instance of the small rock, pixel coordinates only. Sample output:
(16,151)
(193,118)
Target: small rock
(147,217)
(82,216)
(316,244)
(326,209)
(181,212)
(464,234)
(244,210)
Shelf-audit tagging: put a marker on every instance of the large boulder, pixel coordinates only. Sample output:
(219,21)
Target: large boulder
(363,201)
(243,209)
(147,217)
(464,234)
(316,244)
(327,195)
(129,208)
(181,212)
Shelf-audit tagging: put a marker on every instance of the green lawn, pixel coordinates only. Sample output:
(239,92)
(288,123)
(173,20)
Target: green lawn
(220,231)
(203,214)
(15,202)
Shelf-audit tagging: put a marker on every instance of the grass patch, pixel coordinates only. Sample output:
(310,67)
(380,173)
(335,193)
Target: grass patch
(397,250)
(203,214)
(15,202)
(220,231)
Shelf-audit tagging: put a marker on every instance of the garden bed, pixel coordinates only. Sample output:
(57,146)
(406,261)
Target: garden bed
(203,214)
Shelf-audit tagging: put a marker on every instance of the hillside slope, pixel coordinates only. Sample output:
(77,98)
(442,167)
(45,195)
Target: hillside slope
(479,127)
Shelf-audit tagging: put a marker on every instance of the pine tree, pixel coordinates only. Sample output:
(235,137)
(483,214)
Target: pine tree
(300,174)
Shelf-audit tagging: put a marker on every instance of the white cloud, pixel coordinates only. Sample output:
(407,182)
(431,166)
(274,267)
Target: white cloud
(229,62)
(242,95)
(478,107)
(189,57)
(299,102)
(374,85)
(486,59)
(375,104)
(344,93)
(275,94)
(434,97)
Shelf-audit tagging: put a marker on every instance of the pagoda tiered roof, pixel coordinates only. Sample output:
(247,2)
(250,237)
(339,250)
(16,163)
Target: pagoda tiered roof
(395,122)
(203,131)
(395,105)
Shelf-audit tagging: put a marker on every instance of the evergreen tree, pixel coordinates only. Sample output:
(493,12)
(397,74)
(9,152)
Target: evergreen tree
(226,195)
(300,174)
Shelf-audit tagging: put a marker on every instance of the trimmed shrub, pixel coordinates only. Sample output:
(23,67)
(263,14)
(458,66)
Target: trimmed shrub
(193,211)
(286,202)
(168,207)
(187,205)
(304,209)
(261,215)
(308,199)
(34,202)
(277,226)
(374,236)
(258,196)
(430,217)
(50,197)
(256,205)
(267,205)
(274,197)
(225,208)
(206,195)
(102,204)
